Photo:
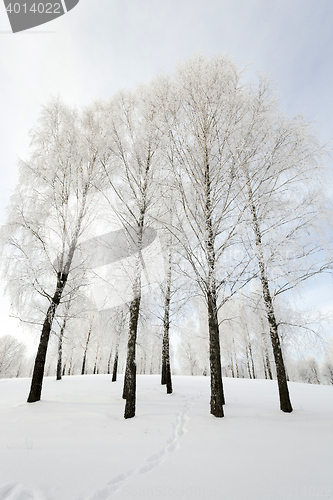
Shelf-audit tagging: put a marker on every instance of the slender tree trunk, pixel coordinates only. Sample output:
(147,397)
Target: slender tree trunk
(115,367)
(267,362)
(231,364)
(85,351)
(251,359)
(95,371)
(285,403)
(166,368)
(217,396)
(281,374)
(248,360)
(60,345)
(109,362)
(144,363)
(38,373)
(235,356)
(264,365)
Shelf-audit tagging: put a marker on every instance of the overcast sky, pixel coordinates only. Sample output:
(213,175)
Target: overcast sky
(103,45)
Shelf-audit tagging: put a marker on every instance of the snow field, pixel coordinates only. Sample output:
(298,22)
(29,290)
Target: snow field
(75,444)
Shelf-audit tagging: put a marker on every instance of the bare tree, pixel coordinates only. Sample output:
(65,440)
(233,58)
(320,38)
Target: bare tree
(134,165)
(203,117)
(279,161)
(11,356)
(49,212)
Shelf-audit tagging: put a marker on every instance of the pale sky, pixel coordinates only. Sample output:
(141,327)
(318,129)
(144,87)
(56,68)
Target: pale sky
(104,45)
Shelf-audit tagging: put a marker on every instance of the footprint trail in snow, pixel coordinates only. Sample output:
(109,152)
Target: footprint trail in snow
(153,461)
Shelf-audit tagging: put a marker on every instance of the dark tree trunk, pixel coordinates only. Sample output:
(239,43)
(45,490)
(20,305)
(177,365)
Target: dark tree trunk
(115,367)
(38,373)
(129,392)
(281,375)
(95,371)
(59,362)
(109,362)
(217,396)
(166,368)
(84,360)
(265,367)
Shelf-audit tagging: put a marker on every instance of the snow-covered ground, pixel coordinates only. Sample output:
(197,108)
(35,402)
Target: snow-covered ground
(75,444)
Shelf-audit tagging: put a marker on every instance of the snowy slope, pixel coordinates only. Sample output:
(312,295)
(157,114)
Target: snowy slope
(75,444)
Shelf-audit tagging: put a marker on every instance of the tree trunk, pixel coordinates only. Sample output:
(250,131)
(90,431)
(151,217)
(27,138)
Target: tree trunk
(166,368)
(84,360)
(267,363)
(264,365)
(231,360)
(109,362)
(115,367)
(129,392)
(60,343)
(252,360)
(281,375)
(248,360)
(217,396)
(95,371)
(38,373)
(235,355)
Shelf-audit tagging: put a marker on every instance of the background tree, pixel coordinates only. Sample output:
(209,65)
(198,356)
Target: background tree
(308,370)
(327,363)
(12,356)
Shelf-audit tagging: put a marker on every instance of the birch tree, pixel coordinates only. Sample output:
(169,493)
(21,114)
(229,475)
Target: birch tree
(166,367)
(11,356)
(52,205)
(134,148)
(203,116)
(279,161)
